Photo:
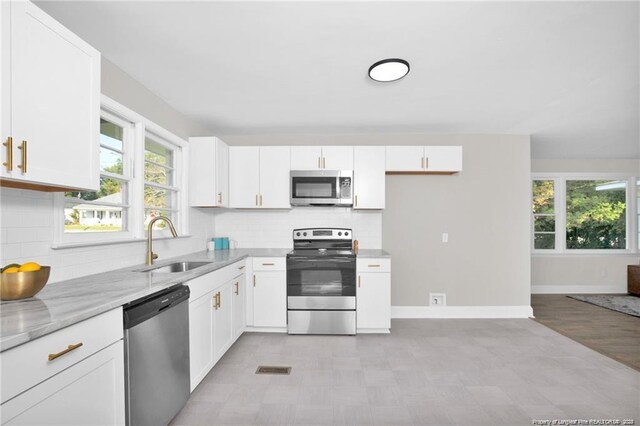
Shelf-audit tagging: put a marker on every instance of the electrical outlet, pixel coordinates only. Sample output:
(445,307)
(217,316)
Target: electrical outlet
(437,299)
(445,237)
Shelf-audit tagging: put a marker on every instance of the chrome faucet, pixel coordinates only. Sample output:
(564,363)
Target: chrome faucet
(150,254)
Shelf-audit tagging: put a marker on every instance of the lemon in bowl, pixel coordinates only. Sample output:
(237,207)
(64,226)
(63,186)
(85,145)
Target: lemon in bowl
(22,281)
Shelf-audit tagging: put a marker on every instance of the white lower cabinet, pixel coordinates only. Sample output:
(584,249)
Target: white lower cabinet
(73,376)
(90,392)
(267,294)
(216,319)
(373,309)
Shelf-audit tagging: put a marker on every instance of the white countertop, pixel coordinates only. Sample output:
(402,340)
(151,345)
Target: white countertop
(65,303)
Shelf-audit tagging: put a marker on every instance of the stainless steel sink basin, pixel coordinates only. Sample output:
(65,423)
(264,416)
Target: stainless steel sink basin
(178,267)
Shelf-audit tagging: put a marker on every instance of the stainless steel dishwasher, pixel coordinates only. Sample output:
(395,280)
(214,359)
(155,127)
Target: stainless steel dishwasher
(156,342)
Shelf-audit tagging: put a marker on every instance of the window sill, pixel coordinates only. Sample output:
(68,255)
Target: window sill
(64,246)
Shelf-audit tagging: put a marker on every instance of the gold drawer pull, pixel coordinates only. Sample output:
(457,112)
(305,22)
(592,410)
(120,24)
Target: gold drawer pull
(66,351)
(260,199)
(268,264)
(219,197)
(23,166)
(241,267)
(426,162)
(374,266)
(9,145)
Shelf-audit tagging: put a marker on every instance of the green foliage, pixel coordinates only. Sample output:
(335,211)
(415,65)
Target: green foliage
(595,219)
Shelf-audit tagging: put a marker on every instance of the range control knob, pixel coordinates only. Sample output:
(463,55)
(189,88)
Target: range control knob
(340,234)
(298,234)
(304,233)
(346,234)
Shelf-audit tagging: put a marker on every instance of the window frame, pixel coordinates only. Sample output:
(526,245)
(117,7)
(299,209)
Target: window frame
(139,127)
(560,204)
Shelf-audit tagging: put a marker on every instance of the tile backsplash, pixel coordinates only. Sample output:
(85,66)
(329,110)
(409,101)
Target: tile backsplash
(273,228)
(27,233)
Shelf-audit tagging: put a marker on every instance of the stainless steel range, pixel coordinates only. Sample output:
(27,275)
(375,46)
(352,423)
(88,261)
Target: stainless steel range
(321,282)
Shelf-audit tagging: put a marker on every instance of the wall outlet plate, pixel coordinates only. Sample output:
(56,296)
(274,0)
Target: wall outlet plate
(437,299)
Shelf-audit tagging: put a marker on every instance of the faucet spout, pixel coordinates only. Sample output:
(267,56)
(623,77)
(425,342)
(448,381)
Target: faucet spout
(150,254)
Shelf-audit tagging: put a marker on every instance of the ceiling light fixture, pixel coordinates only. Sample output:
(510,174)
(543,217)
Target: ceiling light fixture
(388,70)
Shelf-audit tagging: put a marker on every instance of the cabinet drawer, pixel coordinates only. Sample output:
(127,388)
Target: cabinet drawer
(373,265)
(269,264)
(208,282)
(28,364)
(230,272)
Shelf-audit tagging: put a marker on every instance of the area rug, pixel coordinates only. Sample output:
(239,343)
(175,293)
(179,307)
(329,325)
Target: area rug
(621,303)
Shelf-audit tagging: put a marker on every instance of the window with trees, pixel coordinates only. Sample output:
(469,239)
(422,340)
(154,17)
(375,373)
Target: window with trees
(577,214)
(141,177)
(104,210)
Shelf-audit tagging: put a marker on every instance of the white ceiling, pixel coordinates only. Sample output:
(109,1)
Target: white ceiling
(566,72)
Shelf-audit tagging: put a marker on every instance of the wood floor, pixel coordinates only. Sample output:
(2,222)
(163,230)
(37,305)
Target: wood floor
(611,333)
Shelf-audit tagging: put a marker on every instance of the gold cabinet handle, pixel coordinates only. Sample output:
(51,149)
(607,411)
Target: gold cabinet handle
(23,166)
(324,163)
(219,304)
(66,351)
(215,301)
(241,267)
(356,201)
(268,264)
(219,197)
(256,199)
(422,163)
(237,288)
(260,200)
(359,281)
(9,145)
(254,280)
(426,162)
(319,166)
(373,266)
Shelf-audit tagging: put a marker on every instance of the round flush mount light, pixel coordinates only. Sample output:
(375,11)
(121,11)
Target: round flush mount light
(388,70)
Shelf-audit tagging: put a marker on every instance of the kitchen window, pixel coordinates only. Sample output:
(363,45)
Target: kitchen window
(127,200)
(585,214)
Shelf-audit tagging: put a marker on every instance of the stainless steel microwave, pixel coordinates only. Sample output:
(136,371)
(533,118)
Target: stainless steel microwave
(322,188)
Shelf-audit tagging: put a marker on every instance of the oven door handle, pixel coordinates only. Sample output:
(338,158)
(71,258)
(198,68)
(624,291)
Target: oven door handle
(322,259)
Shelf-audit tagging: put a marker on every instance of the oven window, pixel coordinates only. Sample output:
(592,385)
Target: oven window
(314,187)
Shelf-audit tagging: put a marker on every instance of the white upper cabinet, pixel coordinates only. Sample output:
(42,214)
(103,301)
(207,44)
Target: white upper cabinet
(50,102)
(322,158)
(306,157)
(208,172)
(259,177)
(424,159)
(369,177)
(274,177)
(244,177)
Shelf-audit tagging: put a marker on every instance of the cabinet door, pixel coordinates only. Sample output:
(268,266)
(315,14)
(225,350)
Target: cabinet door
(374,300)
(270,299)
(369,177)
(222,318)
(443,158)
(201,355)
(5,86)
(306,157)
(222,174)
(238,306)
(244,176)
(405,158)
(337,157)
(55,102)
(89,392)
(274,177)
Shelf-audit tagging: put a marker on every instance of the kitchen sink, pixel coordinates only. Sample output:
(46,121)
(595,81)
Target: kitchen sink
(178,267)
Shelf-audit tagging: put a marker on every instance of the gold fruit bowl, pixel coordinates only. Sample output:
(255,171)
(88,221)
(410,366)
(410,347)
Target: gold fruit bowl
(20,285)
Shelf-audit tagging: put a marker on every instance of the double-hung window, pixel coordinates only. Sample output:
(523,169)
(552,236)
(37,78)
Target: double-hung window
(141,177)
(579,213)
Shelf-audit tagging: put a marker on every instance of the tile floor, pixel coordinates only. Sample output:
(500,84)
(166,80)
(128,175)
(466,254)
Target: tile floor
(426,372)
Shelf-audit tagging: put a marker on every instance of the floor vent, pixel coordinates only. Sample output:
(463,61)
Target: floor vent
(267,369)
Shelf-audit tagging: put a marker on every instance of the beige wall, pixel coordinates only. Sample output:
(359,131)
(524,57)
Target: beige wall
(582,273)
(121,87)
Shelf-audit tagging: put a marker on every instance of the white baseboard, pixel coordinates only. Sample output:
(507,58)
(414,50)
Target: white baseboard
(373,331)
(578,289)
(461,312)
